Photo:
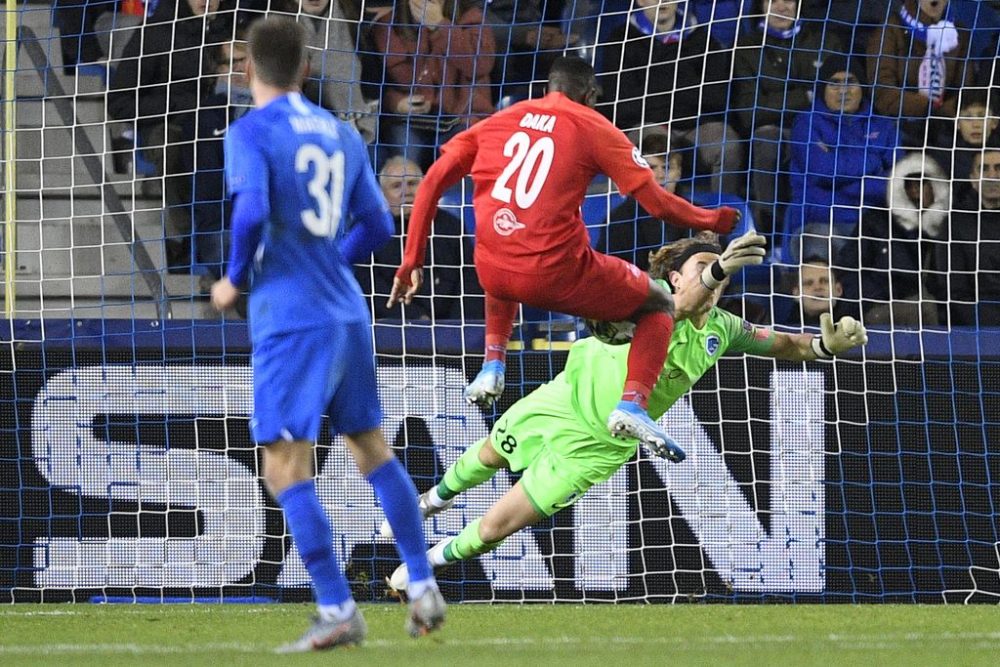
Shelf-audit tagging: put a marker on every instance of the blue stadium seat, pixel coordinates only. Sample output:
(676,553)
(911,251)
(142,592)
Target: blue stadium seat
(596,209)
(460,207)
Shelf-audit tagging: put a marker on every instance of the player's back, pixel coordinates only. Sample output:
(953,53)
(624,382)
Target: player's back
(314,162)
(534,162)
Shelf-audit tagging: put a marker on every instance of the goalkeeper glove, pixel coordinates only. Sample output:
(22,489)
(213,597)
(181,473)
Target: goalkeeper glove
(833,340)
(747,250)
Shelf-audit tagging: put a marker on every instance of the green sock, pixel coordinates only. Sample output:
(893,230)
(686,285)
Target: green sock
(466,473)
(468,544)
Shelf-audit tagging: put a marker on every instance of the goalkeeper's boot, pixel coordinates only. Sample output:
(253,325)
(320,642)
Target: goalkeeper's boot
(400,578)
(426,511)
(488,385)
(426,613)
(629,420)
(329,634)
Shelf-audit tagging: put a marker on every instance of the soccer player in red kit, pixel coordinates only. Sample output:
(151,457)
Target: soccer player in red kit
(531,165)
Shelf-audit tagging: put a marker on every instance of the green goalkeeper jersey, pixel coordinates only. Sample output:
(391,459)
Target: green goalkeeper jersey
(594,375)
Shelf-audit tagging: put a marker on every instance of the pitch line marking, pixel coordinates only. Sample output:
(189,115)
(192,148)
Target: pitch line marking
(984,639)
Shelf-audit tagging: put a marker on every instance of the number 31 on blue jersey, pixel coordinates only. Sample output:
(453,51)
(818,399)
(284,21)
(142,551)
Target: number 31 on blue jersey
(326,187)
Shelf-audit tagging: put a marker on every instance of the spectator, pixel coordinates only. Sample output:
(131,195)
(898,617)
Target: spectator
(455,292)
(724,15)
(229,100)
(918,63)
(892,258)
(528,38)
(774,73)
(817,289)
(841,156)
(632,233)
(972,259)
(661,67)
(974,129)
(334,80)
(438,57)
(158,85)
(852,20)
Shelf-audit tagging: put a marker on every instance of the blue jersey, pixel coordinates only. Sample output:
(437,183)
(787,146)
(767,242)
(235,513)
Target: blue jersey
(306,172)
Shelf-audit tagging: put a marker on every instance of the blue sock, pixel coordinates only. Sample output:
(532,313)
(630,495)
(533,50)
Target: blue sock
(398,496)
(311,531)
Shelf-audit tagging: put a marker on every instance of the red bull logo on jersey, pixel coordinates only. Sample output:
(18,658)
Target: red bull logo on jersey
(638,158)
(505,222)
(542,122)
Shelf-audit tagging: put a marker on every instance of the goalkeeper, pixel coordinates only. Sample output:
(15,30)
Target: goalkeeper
(556,435)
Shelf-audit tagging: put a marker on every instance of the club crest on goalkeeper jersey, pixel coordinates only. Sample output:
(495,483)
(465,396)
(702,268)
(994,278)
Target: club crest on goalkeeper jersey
(594,373)
(313,170)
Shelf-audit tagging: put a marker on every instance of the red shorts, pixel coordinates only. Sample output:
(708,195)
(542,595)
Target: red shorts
(595,286)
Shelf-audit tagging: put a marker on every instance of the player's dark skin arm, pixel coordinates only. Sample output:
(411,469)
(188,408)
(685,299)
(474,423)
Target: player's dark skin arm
(446,171)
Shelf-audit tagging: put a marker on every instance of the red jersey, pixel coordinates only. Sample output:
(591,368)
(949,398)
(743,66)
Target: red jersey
(531,165)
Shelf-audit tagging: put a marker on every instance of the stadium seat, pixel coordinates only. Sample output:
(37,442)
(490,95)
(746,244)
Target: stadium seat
(596,209)
(461,207)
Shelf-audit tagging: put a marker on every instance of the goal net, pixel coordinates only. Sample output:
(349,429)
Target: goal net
(860,138)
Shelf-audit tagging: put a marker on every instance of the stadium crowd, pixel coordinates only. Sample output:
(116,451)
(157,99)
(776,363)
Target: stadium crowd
(863,138)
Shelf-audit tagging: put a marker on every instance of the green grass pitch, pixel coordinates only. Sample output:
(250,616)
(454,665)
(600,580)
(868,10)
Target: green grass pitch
(508,635)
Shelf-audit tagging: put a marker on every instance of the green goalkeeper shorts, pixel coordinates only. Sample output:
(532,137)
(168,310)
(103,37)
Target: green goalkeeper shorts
(561,457)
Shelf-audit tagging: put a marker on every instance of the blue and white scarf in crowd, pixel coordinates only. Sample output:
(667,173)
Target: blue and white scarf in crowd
(940,38)
(683,25)
(780,34)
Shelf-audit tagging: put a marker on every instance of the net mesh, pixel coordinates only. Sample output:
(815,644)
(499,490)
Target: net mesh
(869,162)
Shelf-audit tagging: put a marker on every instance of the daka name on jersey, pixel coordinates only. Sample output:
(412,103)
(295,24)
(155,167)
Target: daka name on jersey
(542,122)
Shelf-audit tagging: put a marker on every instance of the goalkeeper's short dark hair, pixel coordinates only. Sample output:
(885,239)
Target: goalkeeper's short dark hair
(277,50)
(572,76)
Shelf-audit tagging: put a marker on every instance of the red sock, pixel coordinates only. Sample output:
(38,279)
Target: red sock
(646,356)
(496,348)
(500,317)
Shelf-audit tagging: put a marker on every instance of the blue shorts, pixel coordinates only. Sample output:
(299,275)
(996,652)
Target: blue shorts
(301,375)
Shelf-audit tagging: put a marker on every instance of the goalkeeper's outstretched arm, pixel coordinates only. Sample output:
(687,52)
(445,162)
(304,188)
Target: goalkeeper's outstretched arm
(833,339)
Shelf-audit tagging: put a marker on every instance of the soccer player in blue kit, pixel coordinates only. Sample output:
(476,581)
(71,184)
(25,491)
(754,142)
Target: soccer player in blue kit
(295,173)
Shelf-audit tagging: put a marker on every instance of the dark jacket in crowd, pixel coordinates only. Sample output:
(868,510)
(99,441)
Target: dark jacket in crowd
(893,252)
(162,73)
(972,264)
(772,77)
(451,290)
(895,58)
(674,83)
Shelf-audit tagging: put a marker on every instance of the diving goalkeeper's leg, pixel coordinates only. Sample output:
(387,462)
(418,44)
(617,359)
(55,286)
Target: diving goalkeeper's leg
(511,513)
(476,465)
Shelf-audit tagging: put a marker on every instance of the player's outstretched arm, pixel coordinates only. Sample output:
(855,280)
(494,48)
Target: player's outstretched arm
(678,211)
(444,173)
(833,339)
(622,161)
